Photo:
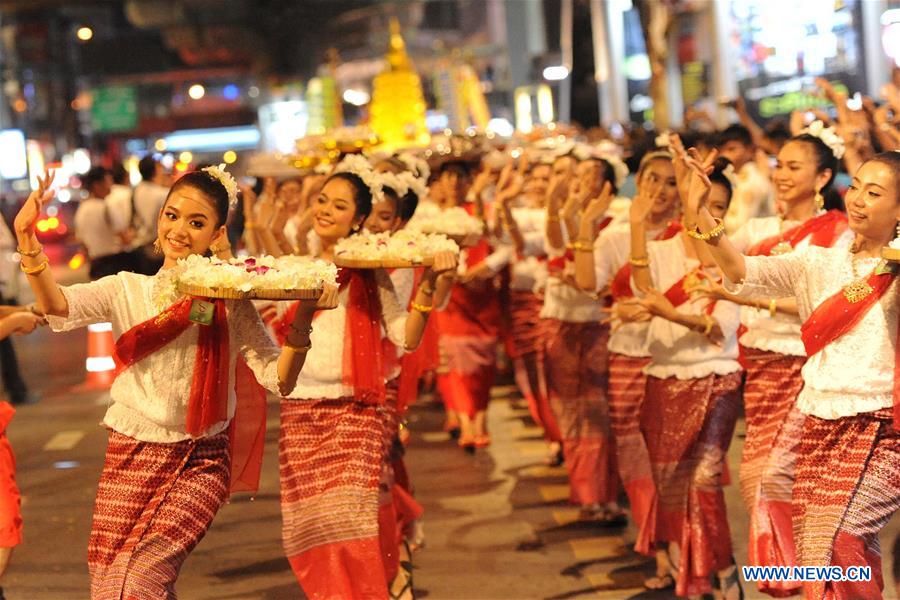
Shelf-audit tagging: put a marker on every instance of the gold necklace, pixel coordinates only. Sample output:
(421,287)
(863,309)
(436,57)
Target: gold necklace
(858,289)
(783,246)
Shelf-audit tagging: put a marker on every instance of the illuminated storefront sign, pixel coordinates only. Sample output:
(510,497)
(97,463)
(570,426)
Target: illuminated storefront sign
(783,46)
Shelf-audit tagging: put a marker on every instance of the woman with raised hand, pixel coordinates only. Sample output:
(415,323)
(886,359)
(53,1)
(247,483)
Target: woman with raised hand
(332,426)
(692,398)
(169,461)
(848,461)
(772,351)
(603,262)
(575,348)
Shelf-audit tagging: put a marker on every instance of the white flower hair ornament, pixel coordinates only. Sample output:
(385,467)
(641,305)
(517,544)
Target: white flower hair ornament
(417,166)
(829,137)
(415,184)
(582,151)
(620,169)
(662,140)
(730,175)
(227,181)
(393,182)
(356,164)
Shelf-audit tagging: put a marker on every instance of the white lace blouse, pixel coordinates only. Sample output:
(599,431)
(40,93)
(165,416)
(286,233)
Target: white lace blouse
(611,251)
(855,373)
(780,334)
(675,350)
(322,374)
(148,401)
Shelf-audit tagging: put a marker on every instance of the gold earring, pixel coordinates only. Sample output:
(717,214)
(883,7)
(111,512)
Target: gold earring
(157,247)
(820,201)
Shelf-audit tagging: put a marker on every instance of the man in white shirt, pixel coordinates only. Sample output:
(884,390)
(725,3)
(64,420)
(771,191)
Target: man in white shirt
(94,228)
(752,194)
(149,198)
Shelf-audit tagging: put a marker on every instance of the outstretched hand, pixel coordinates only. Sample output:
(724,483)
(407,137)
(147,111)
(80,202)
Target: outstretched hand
(31,211)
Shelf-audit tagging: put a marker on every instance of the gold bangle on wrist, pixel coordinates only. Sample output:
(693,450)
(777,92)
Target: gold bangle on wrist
(298,349)
(421,308)
(712,234)
(773,308)
(249,225)
(34,270)
(30,253)
(216,249)
(583,246)
(639,261)
(553,218)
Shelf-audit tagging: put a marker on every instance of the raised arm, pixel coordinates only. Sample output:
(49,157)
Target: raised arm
(585,267)
(637,221)
(698,218)
(556,194)
(50,300)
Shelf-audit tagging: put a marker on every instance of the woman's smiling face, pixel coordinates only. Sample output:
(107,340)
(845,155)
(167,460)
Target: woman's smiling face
(334,211)
(187,224)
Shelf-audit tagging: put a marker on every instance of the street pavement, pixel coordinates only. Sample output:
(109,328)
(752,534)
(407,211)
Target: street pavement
(497,524)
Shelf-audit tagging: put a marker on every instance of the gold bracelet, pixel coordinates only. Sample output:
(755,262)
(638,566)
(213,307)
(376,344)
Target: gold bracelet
(639,261)
(249,225)
(570,246)
(773,308)
(712,234)
(298,349)
(421,308)
(216,249)
(30,253)
(553,218)
(583,246)
(710,323)
(34,270)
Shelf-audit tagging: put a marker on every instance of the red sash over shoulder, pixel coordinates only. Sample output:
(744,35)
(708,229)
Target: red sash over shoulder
(208,397)
(837,315)
(620,287)
(365,356)
(823,230)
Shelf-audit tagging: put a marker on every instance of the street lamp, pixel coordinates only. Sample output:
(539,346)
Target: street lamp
(84,33)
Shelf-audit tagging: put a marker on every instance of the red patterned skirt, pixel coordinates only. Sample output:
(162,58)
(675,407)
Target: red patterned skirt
(846,490)
(525,348)
(626,394)
(154,504)
(330,457)
(688,425)
(576,372)
(470,370)
(774,426)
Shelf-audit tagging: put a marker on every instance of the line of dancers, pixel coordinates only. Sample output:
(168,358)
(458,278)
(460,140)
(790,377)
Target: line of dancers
(636,328)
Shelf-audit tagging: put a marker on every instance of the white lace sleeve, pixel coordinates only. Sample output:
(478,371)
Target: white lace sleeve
(253,343)
(393,314)
(772,276)
(88,303)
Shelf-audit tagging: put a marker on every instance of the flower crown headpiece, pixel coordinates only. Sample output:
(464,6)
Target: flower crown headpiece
(662,140)
(393,181)
(620,169)
(829,137)
(417,166)
(731,176)
(415,184)
(227,181)
(356,164)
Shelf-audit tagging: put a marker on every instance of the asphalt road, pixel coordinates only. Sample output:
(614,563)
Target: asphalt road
(497,523)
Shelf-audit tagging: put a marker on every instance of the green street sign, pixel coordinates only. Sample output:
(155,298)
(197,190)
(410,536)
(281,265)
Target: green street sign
(114,108)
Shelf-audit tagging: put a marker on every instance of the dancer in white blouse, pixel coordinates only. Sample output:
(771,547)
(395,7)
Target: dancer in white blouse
(691,402)
(602,263)
(332,428)
(848,467)
(167,463)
